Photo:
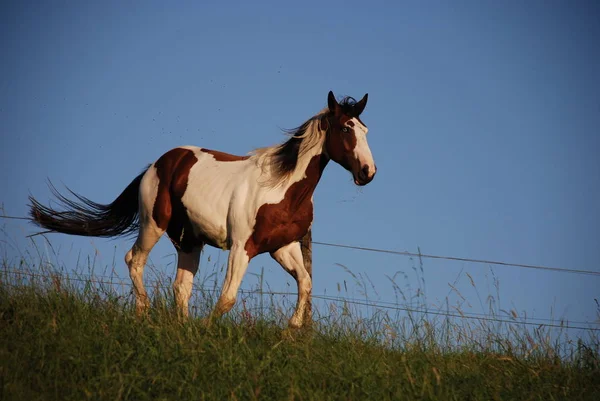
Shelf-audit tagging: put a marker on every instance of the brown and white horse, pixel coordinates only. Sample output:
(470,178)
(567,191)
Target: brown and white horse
(250,205)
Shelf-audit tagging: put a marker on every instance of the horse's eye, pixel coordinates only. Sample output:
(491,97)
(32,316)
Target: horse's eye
(345,129)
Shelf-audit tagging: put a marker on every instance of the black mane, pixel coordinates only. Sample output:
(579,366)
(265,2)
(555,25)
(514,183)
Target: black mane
(285,157)
(348,104)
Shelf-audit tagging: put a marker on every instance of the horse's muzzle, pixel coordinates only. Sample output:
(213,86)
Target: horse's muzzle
(365,175)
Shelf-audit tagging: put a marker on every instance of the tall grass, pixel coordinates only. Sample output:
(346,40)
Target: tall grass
(75,336)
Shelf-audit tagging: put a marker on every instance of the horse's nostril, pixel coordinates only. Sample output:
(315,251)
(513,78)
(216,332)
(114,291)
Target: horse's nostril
(365,170)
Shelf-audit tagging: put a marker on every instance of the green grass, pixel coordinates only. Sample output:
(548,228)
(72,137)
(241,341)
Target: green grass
(61,341)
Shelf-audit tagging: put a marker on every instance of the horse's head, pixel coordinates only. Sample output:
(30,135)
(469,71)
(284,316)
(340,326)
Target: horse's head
(346,142)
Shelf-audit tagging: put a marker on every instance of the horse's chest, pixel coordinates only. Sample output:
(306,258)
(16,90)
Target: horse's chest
(280,224)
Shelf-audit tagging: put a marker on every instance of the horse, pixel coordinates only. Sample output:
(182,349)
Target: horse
(249,205)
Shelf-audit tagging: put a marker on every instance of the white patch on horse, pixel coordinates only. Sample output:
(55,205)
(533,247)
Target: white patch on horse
(362,152)
(208,197)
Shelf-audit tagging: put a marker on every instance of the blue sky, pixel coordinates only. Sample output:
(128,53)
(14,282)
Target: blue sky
(483,121)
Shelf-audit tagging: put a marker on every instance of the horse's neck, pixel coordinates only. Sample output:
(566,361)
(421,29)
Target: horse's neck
(306,176)
(303,167)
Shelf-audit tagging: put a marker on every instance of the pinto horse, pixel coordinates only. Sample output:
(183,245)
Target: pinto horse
(249,205)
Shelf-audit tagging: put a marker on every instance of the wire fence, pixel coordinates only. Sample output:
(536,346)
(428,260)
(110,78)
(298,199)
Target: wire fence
(548,322)
(117,281)
(427,256)
(454,258)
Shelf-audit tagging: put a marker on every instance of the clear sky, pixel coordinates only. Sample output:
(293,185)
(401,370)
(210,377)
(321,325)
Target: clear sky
(484,121)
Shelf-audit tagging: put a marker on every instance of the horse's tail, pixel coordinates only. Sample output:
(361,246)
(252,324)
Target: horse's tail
(87,218)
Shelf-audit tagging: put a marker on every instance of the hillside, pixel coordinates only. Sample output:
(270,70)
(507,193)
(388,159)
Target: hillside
(62,342)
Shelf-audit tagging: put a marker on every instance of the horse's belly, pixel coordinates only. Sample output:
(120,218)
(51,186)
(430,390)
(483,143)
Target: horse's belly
(210,229)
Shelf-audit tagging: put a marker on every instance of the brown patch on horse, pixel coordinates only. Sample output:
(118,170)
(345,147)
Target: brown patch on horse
(340,144)
(289,220)
(169,213)
(224,157)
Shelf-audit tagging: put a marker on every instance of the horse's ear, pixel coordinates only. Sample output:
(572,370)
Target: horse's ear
(360,106)
(332,103)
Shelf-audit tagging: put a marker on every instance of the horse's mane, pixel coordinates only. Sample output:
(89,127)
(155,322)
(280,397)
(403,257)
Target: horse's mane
(282,159)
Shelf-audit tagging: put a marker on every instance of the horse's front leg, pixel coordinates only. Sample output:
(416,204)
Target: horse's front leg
(236,268)
(290,258)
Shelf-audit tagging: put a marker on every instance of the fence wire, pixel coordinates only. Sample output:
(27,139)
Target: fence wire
(107,280)
(421,255)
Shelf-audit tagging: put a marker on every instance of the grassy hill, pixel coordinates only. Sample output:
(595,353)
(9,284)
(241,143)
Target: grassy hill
(65,342)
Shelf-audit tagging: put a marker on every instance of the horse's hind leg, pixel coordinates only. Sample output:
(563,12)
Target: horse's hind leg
(187,266)
(136,261)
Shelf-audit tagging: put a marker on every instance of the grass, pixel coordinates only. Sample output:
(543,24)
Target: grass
(64,338)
